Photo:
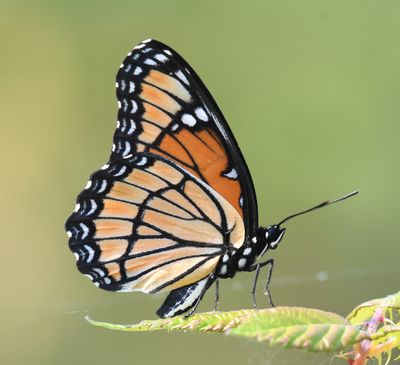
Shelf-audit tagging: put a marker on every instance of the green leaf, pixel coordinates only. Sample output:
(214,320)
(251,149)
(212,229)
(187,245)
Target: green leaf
(291,327)
(309,329)
(201,322)
(372,328)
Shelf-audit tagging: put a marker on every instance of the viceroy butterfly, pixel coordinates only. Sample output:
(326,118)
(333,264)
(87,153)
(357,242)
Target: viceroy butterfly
(174,209)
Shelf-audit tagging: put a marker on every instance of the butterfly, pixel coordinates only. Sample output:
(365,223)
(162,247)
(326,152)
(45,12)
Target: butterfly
(175,208)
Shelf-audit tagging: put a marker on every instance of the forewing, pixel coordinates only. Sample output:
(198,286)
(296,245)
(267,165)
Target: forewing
(164,108)
(144,223)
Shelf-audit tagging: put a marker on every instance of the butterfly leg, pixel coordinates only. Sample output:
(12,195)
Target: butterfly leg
(216,297)
(266,290)
(257,268)
(253,290)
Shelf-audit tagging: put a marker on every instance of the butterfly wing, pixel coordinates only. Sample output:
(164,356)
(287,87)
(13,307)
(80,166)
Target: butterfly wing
(165,109)
(145,223)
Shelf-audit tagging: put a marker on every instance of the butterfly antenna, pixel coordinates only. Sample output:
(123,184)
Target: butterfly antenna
(321,205)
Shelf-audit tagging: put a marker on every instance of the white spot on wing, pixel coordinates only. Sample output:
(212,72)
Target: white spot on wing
(127,148)
(105,167)
(182,77)
(93,207)
(98,271)
(131,87)
(125,102)
(150,62)
(89,184)
(103,186)
(85,230)
(69,234)
(160,57)
(188,120)
(142,161)
(120,172)
(225,258)
(223,270)
(123,125)
(118,147)
(137,71)
(132,128)
(168,52)
(232,174)
(77,206)
(90,253)
(134,106)
(201,114)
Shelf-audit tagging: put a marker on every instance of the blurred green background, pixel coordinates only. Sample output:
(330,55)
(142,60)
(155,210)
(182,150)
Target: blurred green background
(311,90)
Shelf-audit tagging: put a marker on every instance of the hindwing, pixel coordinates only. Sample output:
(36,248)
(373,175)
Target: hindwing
(145,223)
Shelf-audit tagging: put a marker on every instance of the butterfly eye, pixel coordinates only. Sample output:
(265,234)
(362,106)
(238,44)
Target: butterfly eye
(268,238)
(275,236)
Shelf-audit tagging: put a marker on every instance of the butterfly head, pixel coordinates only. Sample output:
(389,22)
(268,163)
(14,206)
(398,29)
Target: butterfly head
(269,238)
(273,235)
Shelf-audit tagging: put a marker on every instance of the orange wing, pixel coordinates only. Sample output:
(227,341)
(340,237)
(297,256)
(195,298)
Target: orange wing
(144,223)
(165,109)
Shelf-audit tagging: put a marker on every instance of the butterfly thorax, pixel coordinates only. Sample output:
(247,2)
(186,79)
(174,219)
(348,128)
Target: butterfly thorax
(244,258)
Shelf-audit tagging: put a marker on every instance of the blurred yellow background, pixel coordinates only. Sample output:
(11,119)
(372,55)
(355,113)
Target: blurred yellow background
(311,90)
